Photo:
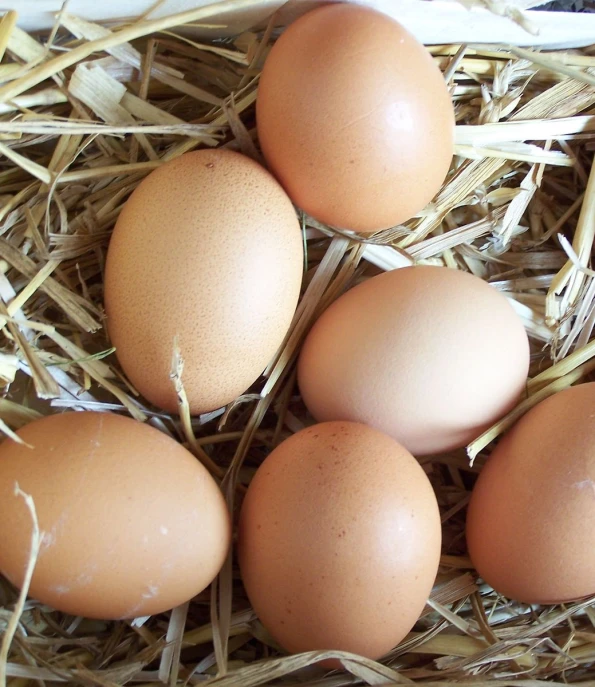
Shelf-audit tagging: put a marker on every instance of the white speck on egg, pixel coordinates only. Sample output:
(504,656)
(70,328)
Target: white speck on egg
(586,484)
(48,539)
(60,589)
(84,579)
(153,590)
(163,529)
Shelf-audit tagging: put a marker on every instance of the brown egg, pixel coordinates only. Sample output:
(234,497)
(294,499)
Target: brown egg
(207,249)
(430,355)
(354,118)
(132,523)
(530,520)
(339,540)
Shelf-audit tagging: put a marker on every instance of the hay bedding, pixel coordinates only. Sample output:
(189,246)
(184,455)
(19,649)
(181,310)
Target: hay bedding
(84,115)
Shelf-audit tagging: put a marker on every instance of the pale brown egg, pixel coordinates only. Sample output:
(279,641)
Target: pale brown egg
(530,519)
(339,540)
(430,355)
(208,250)
(354,118)
(132,524)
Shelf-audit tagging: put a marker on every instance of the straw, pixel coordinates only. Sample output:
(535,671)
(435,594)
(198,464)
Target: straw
(83,119)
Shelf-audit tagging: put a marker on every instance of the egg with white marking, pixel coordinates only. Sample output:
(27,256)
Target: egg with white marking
(131,524)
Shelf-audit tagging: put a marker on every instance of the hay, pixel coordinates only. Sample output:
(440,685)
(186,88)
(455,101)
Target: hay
(83,119)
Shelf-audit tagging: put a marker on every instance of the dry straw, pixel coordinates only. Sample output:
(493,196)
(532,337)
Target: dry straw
(84,116)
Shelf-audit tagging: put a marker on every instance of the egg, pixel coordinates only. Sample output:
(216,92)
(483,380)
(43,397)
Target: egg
(530,519)
(339,540)
(354,118)
(132,524)
(208,251)
(430,355)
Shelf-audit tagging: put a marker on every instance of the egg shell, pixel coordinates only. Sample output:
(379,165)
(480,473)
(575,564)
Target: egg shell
(354,118)
(132,523)
(339,540)
(530,519)
(207,249)
(430,355)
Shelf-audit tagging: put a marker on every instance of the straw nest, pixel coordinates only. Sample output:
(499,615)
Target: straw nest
(86,114)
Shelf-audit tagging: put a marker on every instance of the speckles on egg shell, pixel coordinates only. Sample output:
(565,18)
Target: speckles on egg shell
(331,540)
(222,270)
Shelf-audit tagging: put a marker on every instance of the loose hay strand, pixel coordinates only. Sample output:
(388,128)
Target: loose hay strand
(136,30)
(7,24)
(12,625)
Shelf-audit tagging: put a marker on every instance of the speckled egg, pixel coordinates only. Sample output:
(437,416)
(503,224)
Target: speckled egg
(530,519)
(354,118)
(339,540)
(132,524)
(208,251)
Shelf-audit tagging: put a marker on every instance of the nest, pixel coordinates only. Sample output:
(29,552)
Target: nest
(85,114)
